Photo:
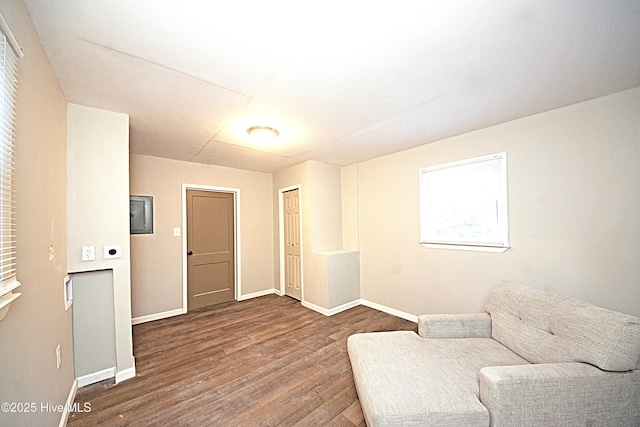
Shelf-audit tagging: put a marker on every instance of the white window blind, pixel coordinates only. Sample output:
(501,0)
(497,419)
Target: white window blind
(9,54)
(464,204)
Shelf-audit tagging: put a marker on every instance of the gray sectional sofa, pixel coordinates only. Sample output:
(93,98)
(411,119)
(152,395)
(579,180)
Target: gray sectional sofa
(532,359)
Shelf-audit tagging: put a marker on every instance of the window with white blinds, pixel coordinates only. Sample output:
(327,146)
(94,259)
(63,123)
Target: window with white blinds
(9,54)
(463,205)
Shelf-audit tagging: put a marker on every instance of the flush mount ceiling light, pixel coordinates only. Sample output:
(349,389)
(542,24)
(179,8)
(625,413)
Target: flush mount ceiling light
(263,133)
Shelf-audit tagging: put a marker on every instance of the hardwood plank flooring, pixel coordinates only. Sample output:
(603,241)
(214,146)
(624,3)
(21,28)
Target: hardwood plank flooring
(267,361)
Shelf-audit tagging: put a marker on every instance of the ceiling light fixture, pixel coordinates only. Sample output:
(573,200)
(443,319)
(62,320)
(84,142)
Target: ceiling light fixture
(263,133)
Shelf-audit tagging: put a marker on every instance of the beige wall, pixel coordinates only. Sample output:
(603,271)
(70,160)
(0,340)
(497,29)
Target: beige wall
(37,321)
(574,209)
(326,207)
(350,231)
(98,209)
(157,258)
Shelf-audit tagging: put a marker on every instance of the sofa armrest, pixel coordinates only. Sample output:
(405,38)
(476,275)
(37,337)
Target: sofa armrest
(472,325)
(560,394)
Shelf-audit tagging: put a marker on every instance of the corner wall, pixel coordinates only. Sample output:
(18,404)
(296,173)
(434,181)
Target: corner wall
(574,204)
(37,321)
(98,209)
(156,274)
(330,274)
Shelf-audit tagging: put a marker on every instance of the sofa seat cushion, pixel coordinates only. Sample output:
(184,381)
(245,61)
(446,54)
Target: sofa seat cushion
(405,380)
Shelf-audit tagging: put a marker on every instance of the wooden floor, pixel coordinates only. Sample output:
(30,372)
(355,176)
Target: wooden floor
(267,361)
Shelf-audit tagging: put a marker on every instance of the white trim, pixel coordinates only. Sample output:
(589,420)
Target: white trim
(256,294)
(316,308)
(96,377)
(389,310)
(11,54)
(236,233)
(464,162)
(127,373)
(8,287)
(307,304)
(68,292)
(281,238)
(5,303)
(180,311)
(454,247)
(331,311)
(10,37)
(392,311)
(156,316)
(69,404)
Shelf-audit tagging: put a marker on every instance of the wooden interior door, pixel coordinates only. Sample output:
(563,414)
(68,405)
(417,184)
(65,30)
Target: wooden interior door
(293,276)
(210,248)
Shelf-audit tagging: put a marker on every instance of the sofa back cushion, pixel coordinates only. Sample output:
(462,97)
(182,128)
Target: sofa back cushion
(546,328)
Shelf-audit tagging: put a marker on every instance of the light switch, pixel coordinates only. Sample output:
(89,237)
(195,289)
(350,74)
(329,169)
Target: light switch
(176,232)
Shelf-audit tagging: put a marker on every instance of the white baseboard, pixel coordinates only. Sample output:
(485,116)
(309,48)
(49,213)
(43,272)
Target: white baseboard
(69,404)
(314,307)
(179,311)
(127,373)
(330,311)
(256,294)
(355,303)
(401,314)
(321,310)
(105,374)
(156,316)
(96,377)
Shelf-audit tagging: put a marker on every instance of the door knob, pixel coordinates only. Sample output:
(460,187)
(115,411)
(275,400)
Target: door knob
(190,253)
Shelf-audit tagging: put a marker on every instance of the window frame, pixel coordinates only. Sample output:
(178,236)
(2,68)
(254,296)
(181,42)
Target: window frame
(11,53)
(500,236)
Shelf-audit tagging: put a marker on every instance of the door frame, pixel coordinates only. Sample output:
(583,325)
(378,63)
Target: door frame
(281,233)
(237,285)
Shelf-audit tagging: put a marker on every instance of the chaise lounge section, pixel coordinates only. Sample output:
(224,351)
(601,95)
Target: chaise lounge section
(532,359)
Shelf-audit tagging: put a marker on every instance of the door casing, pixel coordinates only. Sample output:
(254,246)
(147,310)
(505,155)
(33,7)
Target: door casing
(282,242)
(236,237)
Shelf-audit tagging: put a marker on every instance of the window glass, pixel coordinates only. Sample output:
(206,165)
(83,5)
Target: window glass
(465,204)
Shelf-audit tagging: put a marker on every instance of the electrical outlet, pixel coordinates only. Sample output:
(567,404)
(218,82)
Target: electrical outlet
(88,253)
(58,357)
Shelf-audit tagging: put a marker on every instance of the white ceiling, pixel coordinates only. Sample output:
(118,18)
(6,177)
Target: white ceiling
(343,81)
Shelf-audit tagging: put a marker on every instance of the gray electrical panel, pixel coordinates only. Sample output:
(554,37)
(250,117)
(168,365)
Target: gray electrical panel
(141,214)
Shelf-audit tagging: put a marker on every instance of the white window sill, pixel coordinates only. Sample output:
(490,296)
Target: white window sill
(7,297)
(8,287)
(5,303)
(493,249)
